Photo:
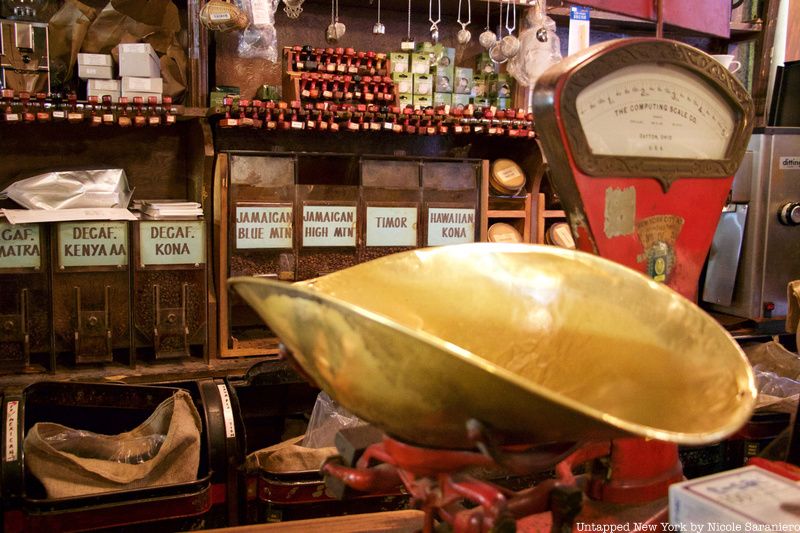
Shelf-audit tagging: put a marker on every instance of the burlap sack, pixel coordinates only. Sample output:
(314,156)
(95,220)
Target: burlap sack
(287,457)
(793,314)
(163,450)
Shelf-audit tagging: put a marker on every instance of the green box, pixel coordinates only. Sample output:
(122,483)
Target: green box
(500,86)
(423,100)
(405,99)
(403,82)
(481,102)
(423,84)
(220,92)
(462,83)
(502,103)
(442,99)
(426,47)
(443,77)
(421,63)
(485,65)
(399,61)
(480,86)
(461,100)
(444,57)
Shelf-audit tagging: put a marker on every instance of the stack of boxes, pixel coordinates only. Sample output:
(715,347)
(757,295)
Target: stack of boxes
(489,86)
(98,71)
(429,77)
(139,72)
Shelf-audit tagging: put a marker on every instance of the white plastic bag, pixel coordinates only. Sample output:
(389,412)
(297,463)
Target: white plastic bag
(259,39)
(72,189)
(539,48)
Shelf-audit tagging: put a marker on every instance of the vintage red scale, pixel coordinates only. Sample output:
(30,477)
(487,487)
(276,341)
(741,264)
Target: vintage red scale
(643,137)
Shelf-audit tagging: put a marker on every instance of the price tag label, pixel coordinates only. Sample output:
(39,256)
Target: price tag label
(391,226)
(20,246)
(260,227)
(329,225)
(172,243)
(12,431)
(92,244)
(450,226)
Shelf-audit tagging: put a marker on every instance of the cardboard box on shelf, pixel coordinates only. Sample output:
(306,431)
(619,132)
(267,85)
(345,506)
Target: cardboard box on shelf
(423,100)
(461,100)
(142,85)
(399,62)
(138,60)
(403,82)
(480,86)
(485,65)
(423,84)
(100,88)
(421,63)
(96,60)
(405,99)
(88,72)
(442,99)
(463,81)
(130,95)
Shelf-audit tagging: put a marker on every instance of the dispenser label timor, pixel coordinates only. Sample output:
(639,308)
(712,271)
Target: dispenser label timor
(263,227)
(391,226)
(329,225)
(172,243)
(92,244)
(20,246)
(450,226)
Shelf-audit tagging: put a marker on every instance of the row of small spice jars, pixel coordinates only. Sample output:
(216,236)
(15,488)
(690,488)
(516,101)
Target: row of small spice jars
(333,88)
(336,60)
(96,111)
(323,116)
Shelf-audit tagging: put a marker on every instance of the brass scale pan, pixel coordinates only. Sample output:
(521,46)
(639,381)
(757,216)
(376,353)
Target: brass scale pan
(541,344)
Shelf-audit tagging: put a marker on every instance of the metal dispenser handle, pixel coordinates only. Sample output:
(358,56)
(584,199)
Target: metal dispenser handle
(14,327)
(92,324)
(170,322)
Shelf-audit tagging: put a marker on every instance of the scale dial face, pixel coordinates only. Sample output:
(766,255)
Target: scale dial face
(655,110)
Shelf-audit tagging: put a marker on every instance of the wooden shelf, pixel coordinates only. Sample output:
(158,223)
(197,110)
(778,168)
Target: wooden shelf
(506,213)
(553,213)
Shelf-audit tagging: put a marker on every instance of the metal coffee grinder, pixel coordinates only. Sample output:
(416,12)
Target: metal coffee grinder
(24,49)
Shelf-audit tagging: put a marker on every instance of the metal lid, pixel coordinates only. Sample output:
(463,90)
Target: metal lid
(506,177)
(502,232)
(559,234)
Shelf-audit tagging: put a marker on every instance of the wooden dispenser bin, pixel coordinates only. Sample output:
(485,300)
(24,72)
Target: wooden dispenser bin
(91,291)
(391,198)
(257,240)
(169,289)
(327,214)
(450,201)
(24,298)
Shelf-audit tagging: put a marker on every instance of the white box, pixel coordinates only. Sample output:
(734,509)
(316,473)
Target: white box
(744,499)
(142,85)
(86,72)
(130,95)
(138,60)
(96,60)
(100,88)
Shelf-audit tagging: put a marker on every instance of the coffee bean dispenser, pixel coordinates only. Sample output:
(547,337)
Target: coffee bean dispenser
(390,206)
(91,291)
(327,214)
(258,240)
(24,298)
(450,201)
(169,289)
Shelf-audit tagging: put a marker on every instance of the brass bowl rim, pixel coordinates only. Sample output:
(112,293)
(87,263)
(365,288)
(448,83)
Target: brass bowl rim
(302,289)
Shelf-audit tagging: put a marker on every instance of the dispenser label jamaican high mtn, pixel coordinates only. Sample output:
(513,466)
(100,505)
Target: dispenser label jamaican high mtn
(329,225)
(172,243)
(263,227)
(20,246)
(391,226)
(92,244)
(450,226)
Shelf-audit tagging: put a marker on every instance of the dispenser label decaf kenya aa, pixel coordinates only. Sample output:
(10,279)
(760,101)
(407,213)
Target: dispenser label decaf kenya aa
(92,244)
